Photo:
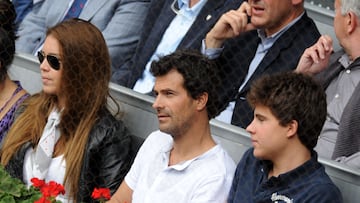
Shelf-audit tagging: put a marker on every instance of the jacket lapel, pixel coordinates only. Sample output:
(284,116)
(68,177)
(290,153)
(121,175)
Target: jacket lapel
(282,43)
(91,8)
(58,7)
(153,31)
(207,17)
(161,25)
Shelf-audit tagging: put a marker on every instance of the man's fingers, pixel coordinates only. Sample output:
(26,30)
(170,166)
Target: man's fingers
(321,50)
(245,8)
(326,42)
(236,20)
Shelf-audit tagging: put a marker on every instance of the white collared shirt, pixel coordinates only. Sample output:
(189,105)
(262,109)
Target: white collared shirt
(206,178)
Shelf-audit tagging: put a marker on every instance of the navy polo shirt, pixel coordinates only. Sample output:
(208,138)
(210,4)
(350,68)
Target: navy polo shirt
(306,183)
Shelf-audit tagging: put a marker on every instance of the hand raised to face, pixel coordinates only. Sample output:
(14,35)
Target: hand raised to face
(230,24)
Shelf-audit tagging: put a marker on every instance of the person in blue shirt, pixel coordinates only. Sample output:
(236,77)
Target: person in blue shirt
(261,37)
(170,25)
(289,112)
(120,22)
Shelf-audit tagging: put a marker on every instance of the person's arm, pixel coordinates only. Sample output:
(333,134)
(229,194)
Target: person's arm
(124,29)
(230,24)
(32,29)
(211,53)
(22,7)
(122,195)
(316,58)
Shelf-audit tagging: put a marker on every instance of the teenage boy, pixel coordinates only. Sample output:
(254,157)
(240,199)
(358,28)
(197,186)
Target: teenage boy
(289,112)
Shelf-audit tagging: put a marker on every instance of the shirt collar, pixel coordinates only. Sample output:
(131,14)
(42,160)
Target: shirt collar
(185,4)
(345,61)
(165,152)
(181,3)
(290,176)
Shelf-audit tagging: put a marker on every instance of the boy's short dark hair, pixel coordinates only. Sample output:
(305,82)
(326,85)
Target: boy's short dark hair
(199,75)
(292,96)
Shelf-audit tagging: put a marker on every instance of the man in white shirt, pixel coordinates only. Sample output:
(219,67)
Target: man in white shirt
(181,162)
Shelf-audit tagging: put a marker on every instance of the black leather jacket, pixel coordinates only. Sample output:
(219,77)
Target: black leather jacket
(106,160)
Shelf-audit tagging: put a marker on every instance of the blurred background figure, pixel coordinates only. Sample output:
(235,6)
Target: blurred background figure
(170,25)
(23,7)
(120,22)
(11,92)
(339,139)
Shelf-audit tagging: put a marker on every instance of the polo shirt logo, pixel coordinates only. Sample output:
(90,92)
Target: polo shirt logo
(275,197)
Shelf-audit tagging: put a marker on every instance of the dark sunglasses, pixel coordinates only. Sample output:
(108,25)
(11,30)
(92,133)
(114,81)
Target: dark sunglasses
(53,61)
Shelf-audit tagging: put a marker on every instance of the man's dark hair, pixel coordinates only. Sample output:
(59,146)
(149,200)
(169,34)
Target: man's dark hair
(292,96)
(199,75)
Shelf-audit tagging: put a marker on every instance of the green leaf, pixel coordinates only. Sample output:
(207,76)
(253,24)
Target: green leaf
(13,190)
(6,198)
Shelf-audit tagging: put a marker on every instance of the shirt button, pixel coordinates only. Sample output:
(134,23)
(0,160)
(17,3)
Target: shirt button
(348,71)
(337,96)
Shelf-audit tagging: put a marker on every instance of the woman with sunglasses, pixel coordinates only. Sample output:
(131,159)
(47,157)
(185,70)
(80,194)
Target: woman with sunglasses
(11,92)
(66,132)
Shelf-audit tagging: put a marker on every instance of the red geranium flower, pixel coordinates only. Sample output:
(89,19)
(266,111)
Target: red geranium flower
(101,194)
(52,189)
(49,190)
(43,200)
(37,182)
